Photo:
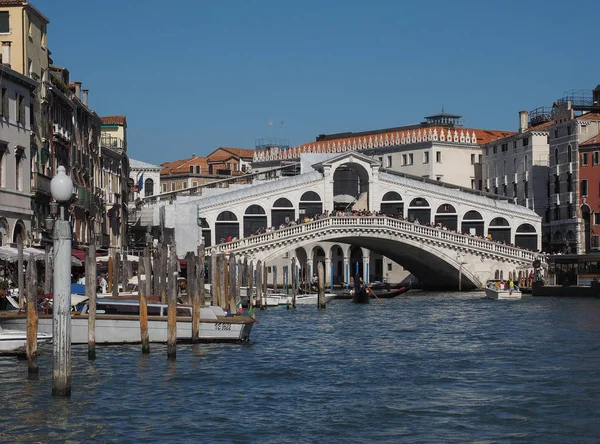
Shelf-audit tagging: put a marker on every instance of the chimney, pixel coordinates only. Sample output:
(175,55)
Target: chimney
(523,121)
(6,53)
(78,90)
(85,96)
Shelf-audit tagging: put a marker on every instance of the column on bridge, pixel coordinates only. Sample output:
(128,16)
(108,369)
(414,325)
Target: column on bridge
(328,271)
(366,253)
(346,271)
(309,269)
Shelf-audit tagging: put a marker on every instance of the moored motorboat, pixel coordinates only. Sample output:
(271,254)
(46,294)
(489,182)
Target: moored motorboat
(14,341)
(312,298)
(497,290)
(118,322)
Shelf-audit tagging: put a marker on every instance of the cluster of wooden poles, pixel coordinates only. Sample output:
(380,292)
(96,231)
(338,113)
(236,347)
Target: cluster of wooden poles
(226,276)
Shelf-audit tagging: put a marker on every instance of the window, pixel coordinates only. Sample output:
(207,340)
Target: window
(149,187)
(514,144)
(4,27)
(472,159)
(584,159)
(472,184)
(4,103)
(164,187)
(556,133)
(197,169)
(404,159)
(525,141)
(389,161)
(43,38)
(569,130)
(184,185)
(3,149)
(596,218)
(584,188)
(30,67)
(410,159)
(570,211)
(194,184)
(479,158)
(569,182)
(18,176)
(438,156)
(495,149)
(389,266)
(173,186)
(192,169)
(514,190)
(595,157)
(504,147)
(487,150)
(569,154)
(381,160)
(526,189)
(426,157)
(20,109)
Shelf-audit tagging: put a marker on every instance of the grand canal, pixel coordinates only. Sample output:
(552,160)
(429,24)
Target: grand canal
(425,367)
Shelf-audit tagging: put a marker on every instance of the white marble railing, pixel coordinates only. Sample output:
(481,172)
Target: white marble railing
(273,237)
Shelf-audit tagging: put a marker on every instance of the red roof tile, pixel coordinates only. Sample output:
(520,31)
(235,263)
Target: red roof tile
(590,142)
(114,120)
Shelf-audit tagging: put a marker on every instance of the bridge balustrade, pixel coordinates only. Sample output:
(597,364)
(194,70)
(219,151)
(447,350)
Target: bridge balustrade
(378,221)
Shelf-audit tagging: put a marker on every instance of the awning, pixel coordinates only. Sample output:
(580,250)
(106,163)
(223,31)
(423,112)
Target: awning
(11,254)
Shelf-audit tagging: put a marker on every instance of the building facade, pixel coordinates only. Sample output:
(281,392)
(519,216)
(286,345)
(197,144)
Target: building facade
(564,228)
(16,92)
(589,177)
(438,149)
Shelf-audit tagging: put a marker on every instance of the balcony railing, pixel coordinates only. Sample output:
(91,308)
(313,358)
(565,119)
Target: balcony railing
(112,142)
(40,184)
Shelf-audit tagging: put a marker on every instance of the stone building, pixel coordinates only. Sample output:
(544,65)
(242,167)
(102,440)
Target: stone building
(16,93)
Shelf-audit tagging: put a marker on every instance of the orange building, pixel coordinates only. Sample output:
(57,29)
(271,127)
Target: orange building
(589,187)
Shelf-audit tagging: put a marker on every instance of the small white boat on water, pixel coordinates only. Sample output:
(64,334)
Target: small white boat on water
(498,290)
(312,298)
(14,341)
(118,322)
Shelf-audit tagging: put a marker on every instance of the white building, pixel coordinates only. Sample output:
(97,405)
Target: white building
(15,169)
(517,166)
(144,181)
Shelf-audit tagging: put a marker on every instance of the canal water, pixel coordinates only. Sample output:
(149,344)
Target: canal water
(421,368)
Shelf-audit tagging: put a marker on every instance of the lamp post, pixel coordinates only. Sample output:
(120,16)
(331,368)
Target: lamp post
(61,188)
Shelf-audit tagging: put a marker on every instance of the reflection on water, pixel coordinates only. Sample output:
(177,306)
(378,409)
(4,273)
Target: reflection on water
(425,367)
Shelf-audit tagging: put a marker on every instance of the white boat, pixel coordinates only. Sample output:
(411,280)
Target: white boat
(312,298)
(14,341)
(497,292)
(118,322)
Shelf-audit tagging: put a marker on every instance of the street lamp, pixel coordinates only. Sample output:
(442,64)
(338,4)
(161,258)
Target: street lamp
(61,188)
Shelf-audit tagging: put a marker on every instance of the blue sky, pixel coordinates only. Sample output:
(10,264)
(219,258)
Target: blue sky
(194,75)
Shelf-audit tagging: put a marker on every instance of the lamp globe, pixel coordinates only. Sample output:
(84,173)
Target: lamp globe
(61,185)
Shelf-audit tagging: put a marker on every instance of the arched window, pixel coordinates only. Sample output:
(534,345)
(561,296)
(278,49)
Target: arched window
(226,227)
(419,210)
(499,230)
(569,154)
(526,237)
(149,187)
(310,204)
(556,156)
(255,220)
(472,223)
(283,212)
(392,204)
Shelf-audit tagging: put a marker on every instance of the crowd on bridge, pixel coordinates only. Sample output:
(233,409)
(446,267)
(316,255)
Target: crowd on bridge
(365,213)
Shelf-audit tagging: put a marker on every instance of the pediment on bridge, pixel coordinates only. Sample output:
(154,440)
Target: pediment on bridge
(348,157)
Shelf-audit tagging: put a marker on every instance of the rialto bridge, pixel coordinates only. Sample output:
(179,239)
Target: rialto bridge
(434,230)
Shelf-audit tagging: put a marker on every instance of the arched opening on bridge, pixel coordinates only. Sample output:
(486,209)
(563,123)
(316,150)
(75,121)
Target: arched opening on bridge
(310,204)
(205,228)
(446,216)
(337,271)
(526,237)
(419,210)
(301,257)
(499,230)
(255,220)
(586,216)
(356,262)
(282,212)
(226,226)
(318,255)
(3,231)
(472,223)
(350,187)
(392,204)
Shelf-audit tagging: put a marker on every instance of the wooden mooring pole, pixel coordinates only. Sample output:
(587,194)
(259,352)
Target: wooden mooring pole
(142,285)
(48,271)
(294,283)
(321,277)
(172,310)
(90,292)
(263,300)
(214,284)
(116,268)
(259,284)
(198,294)
(32,319)
(250,285)
(232,285)
(200,273)
(20,276)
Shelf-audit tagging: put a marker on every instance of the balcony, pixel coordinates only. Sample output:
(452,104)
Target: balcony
(60,131)
(555,199)
(40,184)
(112,142)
